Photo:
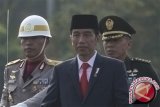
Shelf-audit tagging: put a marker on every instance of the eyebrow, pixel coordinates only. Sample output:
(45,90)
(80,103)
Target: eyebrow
(82,32)
(75,32)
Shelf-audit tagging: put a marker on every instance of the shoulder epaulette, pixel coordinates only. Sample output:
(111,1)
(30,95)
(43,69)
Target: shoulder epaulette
(141,60)
(13,62)
(53,62)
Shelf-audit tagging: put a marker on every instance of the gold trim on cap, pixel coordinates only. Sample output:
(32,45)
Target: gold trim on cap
(115,32)
(29,28)
(112,37)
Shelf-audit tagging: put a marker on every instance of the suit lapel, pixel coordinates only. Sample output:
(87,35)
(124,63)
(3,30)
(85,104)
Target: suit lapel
(73,72)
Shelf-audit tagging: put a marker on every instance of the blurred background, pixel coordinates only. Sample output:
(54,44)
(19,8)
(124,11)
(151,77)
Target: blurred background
(143,15)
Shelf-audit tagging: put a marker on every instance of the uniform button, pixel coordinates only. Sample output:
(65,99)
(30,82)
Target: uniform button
(24,90)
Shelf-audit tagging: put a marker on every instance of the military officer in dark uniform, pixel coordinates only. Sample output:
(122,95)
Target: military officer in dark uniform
(23,78)
(117,36)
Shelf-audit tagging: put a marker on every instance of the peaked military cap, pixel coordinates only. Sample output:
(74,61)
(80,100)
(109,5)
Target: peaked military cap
(84,21)
(114,27)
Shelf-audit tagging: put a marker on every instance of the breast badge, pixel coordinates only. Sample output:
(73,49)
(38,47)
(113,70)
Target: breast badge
(40,84)
(12,77)
(34,88)
(132,75)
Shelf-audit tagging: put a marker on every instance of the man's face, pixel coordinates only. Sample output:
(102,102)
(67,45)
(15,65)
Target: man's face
(84,41)
(117,47)
(32,45)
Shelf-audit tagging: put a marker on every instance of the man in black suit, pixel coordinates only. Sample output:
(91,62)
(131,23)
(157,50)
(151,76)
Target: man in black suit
(89,79)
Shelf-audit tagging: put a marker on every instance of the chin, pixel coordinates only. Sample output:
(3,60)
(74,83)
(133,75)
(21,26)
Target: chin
(112,56)
(82,54)
(29,56)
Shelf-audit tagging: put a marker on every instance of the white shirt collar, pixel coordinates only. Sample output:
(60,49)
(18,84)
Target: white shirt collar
(90,61)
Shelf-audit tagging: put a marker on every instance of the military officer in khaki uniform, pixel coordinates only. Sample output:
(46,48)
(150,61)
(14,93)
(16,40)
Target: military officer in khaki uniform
(117,36)
(23,78)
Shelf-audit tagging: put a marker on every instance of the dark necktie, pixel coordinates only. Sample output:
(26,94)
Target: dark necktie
(83,80)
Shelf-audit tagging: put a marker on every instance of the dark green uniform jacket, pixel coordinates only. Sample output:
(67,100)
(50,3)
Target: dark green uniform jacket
(137,67)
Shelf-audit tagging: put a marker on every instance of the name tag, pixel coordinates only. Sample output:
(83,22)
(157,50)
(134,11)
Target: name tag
(11,81)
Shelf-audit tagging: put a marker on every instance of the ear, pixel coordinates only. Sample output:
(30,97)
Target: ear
(47,41)
(129,43)
(98,37)
(70,35)
(71,39)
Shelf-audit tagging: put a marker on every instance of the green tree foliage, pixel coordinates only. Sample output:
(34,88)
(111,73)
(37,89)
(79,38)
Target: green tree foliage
(143,15)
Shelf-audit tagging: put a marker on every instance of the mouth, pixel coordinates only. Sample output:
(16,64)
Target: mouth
(110,52)
(81,47)
(28,50)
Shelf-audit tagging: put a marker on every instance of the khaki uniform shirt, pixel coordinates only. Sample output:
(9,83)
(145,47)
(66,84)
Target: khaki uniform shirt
(16,90)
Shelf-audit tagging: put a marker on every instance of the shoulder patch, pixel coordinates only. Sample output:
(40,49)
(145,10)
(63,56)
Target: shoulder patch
(13,62)
(53,62)
(141,60)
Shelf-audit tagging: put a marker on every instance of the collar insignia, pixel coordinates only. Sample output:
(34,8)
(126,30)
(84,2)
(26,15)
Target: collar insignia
(42,66)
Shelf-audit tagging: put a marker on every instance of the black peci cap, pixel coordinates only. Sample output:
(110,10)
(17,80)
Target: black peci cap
(84,21)
(114,27)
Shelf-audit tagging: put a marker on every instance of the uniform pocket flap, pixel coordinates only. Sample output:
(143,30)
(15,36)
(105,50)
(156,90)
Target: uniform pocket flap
(12,87)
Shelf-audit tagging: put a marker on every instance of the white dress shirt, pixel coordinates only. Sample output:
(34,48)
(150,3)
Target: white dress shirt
(90,62)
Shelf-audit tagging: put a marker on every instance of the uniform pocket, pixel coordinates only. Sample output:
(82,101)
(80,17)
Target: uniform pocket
(40,84)
(12,87)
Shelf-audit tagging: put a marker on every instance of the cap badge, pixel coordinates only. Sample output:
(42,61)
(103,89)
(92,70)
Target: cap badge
(28,27)
(109,24)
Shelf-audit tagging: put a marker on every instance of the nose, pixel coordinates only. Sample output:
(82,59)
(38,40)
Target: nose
(27,41)
(109,44)
(81,39)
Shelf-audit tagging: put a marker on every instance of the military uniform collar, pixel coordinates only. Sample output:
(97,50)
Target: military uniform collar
(41,65)
(127,59)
